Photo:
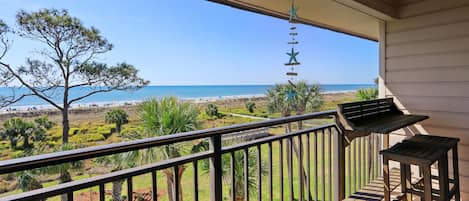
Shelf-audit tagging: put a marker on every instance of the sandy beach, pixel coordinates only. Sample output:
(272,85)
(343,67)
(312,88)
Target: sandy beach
(91,111)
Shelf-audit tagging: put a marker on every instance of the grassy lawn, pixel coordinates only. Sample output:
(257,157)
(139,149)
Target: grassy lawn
(142,183)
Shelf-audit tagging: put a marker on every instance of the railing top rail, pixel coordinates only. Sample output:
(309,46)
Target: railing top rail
(43,160)
(43,193)
(274,138)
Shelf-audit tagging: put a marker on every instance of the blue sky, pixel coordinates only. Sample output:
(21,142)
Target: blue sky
(195,42)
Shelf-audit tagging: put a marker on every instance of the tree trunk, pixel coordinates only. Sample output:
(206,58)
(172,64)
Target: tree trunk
(295,149)
(13,143)
(118,128)
(117,190)
(170,182)
(25,141)
(65,124)
(64,178)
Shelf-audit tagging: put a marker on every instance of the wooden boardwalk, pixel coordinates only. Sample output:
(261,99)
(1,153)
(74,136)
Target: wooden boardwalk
(374,191)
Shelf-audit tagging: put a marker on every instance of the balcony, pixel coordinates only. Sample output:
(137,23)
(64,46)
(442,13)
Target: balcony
(325,173)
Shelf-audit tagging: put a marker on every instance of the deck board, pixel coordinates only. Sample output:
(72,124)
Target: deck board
(374,191)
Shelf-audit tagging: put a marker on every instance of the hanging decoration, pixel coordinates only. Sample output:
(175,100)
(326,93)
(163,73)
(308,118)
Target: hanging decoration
(292,62)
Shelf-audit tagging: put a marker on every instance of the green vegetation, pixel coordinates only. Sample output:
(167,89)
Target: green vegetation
(239,170)
(250,106)
(212,110)
(118,117)
(166,117)
(367,94)
(70,50)
(15,129)
(88,132)
(298,98)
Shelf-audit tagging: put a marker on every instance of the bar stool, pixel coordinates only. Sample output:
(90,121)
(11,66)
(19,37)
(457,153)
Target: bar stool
(423,156)
(447,144)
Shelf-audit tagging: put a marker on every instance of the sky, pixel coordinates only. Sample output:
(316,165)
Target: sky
(196,42)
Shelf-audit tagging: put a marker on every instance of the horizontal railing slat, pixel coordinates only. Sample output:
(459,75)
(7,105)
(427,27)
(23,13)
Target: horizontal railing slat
(106,178)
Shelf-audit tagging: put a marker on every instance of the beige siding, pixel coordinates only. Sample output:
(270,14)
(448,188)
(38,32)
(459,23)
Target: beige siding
(427,70)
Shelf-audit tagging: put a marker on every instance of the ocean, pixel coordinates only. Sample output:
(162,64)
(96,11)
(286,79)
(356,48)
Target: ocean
(183,92)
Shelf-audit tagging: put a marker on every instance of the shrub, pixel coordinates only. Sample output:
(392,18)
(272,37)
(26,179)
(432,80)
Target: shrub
(132,132)
(212,110)
(367,94)
(118,117)
(87,138)
(250,106)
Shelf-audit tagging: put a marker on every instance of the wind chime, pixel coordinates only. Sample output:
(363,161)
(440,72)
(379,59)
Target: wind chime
(292,62)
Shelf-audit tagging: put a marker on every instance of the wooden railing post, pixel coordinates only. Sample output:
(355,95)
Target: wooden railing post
(339,166)
(216,169)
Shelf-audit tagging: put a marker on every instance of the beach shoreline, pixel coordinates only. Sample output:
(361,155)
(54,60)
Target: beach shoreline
(96,112)
(116,104)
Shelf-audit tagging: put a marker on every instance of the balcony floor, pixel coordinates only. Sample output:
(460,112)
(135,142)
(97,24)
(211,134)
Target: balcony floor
(374,190)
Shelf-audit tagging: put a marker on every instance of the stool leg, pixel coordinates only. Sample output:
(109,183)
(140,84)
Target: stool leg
(457,195)
(443,175)
(408,182)
(427,181)
(387,193)
(405,181)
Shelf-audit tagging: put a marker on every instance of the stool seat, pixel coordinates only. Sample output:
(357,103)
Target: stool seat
(424,151)
(432,140)
(413,153)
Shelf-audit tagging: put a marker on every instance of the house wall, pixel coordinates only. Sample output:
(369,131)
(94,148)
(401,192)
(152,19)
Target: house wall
(425,66)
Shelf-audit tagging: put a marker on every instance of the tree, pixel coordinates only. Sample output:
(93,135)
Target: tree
(66,64)
(166,117)
(250,106)
(118,162)
(286,98)
(18,128)
(367,94)
(118,117)
(212,110)
(282,98)
(308,98)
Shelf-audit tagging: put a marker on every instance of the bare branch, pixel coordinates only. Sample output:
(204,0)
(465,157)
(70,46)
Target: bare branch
(90,94)
(30,87)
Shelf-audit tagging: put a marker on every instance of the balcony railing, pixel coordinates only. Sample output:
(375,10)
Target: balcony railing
(314,161)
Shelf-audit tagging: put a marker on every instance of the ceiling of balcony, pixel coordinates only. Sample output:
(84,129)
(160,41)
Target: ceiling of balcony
(355,17)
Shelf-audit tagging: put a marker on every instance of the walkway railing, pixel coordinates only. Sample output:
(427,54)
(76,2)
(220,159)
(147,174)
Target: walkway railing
(307,164)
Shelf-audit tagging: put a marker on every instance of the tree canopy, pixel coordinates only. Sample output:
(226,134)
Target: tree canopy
(67,62)
(118,117)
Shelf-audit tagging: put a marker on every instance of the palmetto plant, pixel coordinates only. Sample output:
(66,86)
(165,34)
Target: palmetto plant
(308,98)
(165,117)
(367,94)
(118,117)
(298,98)
(212,110)
(15,129)
(281,99)
(27,181)
(238,167)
